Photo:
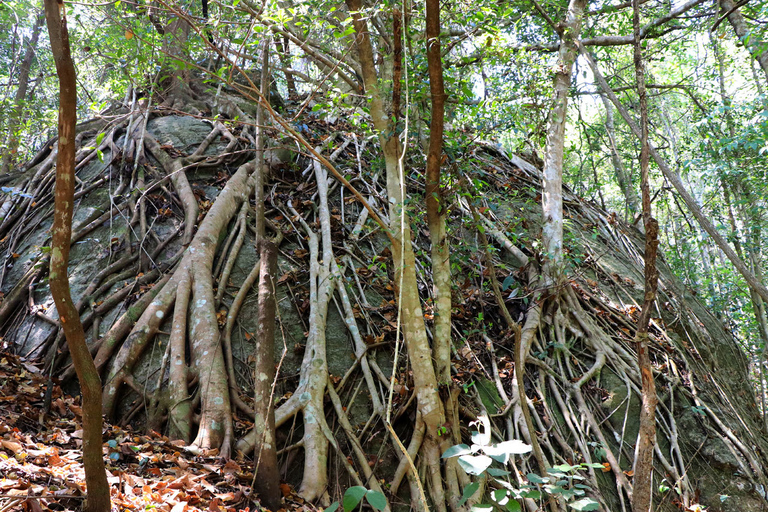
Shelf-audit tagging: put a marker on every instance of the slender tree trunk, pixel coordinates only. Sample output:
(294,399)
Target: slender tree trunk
(441,265)
(414,331)
(622,176)
(440,251)
(674,178)
(12,146)
(552,189)
(267,474)
(746,34)
(283,47)
(642,492)
(90,384)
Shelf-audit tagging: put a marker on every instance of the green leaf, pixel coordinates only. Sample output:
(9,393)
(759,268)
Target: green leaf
(536,479)
(585,504)
(531,493)
(497,472)
(499,494)
(513,506)
(353,496)
(332,507)
(458,449)
(468,491)
(99,138)
(507,282)
(100,155)
(377,500)
(475,464)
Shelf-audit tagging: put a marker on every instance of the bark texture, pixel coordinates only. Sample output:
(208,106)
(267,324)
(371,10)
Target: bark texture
(642,492)
(552,195)
(90,384)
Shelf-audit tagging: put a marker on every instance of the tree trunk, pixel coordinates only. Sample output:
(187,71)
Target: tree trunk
(642,491)
(441,265)
(552,194)
(267,474)
(90,384)
(622,176)
(430,405)
(746,34)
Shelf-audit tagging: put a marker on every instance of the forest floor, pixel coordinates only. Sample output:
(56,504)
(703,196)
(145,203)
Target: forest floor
(41,462)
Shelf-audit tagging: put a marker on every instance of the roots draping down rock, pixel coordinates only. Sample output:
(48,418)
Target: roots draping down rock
(163,250)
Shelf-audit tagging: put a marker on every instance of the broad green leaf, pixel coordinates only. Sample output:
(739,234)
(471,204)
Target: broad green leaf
(499,495)
(585,504)
(458,449)
(468,491)
(377,500)
(332,507)
(100,137)
(475,464)
(513,506)
(353,496)
(536,479)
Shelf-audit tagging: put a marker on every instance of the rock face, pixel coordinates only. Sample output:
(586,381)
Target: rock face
(710,426)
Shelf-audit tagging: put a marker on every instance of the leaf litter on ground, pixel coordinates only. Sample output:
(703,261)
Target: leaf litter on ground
(41,462)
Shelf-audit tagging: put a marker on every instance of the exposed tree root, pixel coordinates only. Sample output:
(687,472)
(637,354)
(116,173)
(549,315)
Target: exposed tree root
(576,342)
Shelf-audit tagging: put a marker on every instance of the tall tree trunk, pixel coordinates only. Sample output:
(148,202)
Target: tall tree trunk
(441,269)
(90,384)
(267,474)
(440,251)
(642,492)
(430,405)
(12,145)
(552,193)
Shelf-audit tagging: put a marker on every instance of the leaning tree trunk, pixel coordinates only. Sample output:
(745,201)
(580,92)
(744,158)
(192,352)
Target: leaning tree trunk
(746,34)
(674,178)
(90,385)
